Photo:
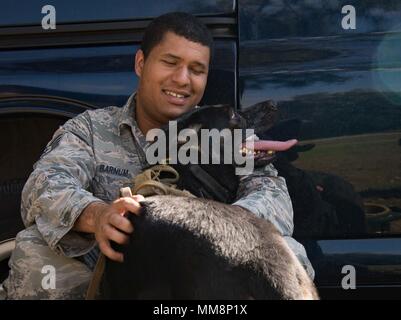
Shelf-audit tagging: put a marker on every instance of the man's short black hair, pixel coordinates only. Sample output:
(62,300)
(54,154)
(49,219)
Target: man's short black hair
(182,24)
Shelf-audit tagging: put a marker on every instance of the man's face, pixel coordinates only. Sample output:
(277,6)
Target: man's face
(172,78)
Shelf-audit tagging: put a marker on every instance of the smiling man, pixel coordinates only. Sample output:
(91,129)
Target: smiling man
(69,204)
(172,81)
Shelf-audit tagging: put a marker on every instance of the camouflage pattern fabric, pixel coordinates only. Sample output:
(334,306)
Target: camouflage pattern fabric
(30,276)
(89,159)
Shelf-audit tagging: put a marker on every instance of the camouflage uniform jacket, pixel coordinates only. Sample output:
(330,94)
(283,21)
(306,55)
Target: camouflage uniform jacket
(96,153)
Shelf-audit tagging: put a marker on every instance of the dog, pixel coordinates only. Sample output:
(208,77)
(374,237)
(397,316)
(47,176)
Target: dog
(219,181)
(199,248)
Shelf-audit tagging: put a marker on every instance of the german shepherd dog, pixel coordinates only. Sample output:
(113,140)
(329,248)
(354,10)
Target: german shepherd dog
(197,248)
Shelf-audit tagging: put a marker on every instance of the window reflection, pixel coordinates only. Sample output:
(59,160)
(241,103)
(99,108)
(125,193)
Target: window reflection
(22,140)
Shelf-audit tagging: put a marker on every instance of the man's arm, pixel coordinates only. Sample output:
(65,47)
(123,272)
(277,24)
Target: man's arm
(57,196)
(56,191)
(265,194)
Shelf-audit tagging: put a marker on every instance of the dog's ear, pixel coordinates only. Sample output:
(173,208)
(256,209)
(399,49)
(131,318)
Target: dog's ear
(261,116)
(237,121)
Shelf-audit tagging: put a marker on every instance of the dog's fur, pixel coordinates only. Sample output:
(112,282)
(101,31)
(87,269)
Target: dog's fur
(197,178)
(189,248)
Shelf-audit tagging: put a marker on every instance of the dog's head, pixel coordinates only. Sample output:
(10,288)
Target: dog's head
(216,133)
(225,120)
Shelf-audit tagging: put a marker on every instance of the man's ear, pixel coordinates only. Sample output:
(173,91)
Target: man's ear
(139,62)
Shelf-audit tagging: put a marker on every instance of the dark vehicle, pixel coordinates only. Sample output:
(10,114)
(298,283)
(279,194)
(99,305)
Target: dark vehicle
(333,65)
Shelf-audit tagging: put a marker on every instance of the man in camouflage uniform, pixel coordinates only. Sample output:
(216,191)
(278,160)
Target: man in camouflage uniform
(69,204)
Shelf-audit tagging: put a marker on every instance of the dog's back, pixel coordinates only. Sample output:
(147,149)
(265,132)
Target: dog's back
(188,248)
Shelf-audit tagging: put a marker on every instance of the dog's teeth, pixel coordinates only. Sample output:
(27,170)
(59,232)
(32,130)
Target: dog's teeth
(270,152)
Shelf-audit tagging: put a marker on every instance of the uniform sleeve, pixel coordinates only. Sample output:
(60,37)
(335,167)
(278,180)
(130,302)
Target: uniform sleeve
(265,194)
(57,191)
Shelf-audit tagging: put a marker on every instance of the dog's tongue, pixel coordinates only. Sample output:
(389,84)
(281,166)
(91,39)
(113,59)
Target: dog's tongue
(265,145)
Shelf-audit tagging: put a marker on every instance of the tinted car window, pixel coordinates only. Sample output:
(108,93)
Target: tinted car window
(301,18)
(344,86)
(28,12)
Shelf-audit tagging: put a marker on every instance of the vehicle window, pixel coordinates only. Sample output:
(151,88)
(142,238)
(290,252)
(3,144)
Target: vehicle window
(28,12)
(344,88)
(299,18)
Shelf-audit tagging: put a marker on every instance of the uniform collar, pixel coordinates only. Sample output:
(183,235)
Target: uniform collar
(128,121)
(127,114)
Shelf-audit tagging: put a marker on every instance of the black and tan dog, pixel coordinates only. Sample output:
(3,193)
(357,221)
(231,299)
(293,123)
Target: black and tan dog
(220,181)
(193,248)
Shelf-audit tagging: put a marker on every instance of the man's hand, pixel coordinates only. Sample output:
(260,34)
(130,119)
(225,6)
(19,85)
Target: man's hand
(107,222)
